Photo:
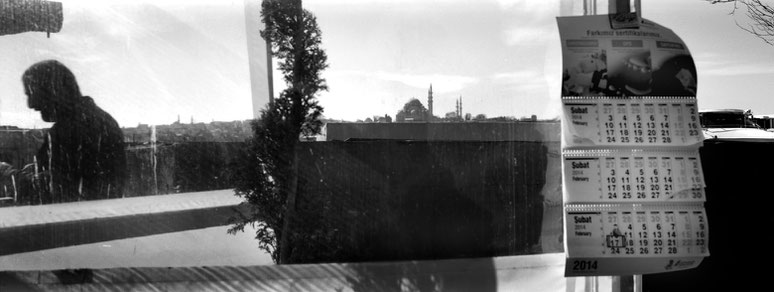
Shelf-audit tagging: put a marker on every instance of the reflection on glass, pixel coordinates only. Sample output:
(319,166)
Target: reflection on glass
(439,132)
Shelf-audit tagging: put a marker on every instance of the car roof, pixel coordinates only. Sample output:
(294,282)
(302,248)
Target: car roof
(735,111)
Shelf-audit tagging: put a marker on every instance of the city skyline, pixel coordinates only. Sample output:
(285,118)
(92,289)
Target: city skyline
(146,62)
(407,47)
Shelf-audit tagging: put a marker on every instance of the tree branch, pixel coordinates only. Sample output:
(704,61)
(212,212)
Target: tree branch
(761,16)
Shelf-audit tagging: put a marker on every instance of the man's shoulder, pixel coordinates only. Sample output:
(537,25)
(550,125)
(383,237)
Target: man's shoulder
(101,115)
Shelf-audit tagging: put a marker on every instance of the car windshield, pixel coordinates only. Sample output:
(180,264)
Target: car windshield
(726,120)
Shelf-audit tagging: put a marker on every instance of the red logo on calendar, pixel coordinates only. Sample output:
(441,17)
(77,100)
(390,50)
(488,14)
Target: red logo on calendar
(615,238)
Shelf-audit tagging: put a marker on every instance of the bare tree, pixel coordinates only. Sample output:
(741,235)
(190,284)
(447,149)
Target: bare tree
(760,14)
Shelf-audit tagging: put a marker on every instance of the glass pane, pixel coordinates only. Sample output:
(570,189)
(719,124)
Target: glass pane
(440,136)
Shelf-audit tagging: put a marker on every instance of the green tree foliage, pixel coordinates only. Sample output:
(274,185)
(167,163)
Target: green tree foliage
(267,176)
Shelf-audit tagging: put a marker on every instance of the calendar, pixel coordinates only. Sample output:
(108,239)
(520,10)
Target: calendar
(662,121)
(635,176)
(600,61)
(607,238)
(632,183)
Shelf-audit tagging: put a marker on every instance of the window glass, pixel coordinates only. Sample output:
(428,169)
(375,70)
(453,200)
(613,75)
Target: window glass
(441,122)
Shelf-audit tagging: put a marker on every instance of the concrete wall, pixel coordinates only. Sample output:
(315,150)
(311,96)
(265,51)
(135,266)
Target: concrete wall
(183,167)
(428,200)
(467,131)
(178,168)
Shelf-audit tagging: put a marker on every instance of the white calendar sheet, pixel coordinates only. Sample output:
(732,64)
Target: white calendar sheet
(624,176)
(633,185)
(621,239)
(636,122)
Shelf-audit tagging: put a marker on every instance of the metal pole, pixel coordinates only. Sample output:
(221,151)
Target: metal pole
(627,282)
(638,7)
(269,70)
(619,6)
(637,283)
(624,6)
(589,7)
(259,58)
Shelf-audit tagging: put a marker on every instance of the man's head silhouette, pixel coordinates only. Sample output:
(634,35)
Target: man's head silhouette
(51,89)
(84,147)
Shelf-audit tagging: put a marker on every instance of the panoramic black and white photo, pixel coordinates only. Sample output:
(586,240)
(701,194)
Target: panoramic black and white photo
(385,145)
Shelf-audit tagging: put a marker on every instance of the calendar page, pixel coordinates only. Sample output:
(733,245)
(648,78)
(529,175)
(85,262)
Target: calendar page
(600,61)
(640,239)
(620,176)
(633,185)
(636,122)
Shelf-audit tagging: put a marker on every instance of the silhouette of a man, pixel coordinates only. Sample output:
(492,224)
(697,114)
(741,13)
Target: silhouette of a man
(82,156)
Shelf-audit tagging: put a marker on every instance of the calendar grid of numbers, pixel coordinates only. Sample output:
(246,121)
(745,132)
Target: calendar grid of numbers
(642,231)
(633,185)
(624,239)
(643,121)
(620,176)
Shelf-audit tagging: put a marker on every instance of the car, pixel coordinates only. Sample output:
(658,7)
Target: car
(732,125)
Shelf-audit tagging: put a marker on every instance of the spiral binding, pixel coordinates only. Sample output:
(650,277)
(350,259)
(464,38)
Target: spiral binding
(661,151)
(628,207)
(628,98)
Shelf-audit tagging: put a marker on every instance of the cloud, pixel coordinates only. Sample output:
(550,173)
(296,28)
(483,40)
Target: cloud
(372,2)
(155,2)
(529,21)
(714,64)
(739,69)
(524,35)
(524,80)
(516,76)
(357,94)
(720,68)
(527,5)
(442,83)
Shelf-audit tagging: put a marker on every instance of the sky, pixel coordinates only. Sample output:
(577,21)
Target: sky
(152,61)
(141,62)
(504,58)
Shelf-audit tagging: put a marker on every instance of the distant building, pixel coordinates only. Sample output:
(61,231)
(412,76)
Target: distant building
(235,131)
(430,115)
(412,111)
(415,111)
(532,118)
(459,107)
